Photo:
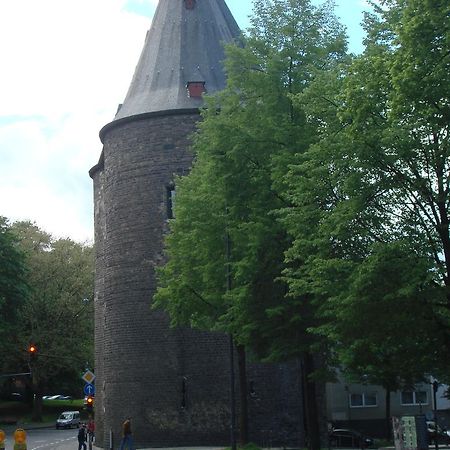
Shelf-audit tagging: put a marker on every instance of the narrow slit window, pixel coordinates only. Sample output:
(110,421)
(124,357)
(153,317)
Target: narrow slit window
(184,392)
(170,201)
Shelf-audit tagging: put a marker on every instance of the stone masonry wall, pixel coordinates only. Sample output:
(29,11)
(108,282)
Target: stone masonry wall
(174,384)
(142,369)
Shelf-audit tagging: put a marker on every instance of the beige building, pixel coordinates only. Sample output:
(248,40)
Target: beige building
(363,407)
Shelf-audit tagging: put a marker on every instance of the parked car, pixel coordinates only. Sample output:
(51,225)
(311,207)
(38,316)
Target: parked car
(346,438)
(436,432)
(54,397)
(68,419)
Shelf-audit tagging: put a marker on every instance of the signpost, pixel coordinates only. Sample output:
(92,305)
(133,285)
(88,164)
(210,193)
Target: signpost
(88,376)
(89,389)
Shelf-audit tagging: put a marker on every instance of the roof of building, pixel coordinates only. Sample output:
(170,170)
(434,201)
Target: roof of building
(184,46)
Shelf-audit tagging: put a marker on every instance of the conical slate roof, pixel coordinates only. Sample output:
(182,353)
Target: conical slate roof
(184,46)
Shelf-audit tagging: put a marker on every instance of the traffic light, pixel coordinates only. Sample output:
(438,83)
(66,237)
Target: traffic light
(32,350)
(89,402)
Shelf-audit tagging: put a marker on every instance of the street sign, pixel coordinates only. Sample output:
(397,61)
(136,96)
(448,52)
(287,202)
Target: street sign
(89,389)
(88,376)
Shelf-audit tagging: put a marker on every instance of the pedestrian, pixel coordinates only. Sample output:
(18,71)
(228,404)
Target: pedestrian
(91,429)
(82,435)
(127,439)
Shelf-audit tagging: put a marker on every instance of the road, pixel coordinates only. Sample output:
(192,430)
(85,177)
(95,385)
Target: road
(46,439)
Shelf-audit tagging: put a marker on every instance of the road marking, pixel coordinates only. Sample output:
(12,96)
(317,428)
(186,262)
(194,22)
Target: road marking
(53,443)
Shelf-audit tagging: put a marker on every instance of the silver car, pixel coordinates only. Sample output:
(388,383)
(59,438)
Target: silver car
(68,419)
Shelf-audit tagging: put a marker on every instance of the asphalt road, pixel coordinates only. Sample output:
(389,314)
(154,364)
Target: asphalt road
(46,439)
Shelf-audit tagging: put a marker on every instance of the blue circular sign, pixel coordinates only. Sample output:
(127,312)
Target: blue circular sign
(89,389)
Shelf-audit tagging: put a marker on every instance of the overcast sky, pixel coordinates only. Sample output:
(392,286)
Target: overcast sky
(66,65)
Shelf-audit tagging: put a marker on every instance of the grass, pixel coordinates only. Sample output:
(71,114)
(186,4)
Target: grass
(13,411)
(75,403)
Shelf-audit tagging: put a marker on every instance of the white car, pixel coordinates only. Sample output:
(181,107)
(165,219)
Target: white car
(68,419)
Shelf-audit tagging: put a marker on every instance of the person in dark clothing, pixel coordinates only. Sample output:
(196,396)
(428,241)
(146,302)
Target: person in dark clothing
(82,435)
(127,439)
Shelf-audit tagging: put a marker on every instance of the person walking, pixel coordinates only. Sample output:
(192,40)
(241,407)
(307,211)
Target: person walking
(91,429)
(82,436)
(127,439)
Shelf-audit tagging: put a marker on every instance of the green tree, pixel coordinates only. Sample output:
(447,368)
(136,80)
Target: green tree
(249,134)
(58,315)
(13,294)
(378,177)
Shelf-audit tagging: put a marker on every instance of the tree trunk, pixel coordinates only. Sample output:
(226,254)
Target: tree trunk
(388,413)
(243,396)
(310,404)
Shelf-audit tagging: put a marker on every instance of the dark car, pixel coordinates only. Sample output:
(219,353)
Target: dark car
(345,438)
(436,432)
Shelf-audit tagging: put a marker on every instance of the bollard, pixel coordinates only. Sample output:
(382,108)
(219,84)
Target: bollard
(2,440)
(20,439)
(111,439)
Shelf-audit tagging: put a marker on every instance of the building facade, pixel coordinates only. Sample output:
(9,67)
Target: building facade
(173,383)
(363,406)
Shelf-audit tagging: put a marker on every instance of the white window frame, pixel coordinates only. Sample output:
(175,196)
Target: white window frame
(415,402)
(364,404)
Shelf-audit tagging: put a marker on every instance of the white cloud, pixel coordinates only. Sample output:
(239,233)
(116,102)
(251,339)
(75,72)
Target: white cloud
(65,67)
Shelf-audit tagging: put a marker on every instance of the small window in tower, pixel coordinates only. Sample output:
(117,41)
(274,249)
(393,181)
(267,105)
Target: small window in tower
(184,392)
(189,4)
(170,201)
(195,88)
(251,389)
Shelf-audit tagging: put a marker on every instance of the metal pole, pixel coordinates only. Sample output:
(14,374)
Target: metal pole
(111,439)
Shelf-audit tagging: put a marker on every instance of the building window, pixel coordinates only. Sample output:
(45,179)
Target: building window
(195,88)
(414,398)
(184,392)
(251,389)
(170,193)
(364,400)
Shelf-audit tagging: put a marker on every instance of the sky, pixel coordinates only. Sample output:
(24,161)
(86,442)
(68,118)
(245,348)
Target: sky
(66,65)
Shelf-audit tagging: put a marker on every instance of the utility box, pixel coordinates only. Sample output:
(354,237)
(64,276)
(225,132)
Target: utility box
(410,432)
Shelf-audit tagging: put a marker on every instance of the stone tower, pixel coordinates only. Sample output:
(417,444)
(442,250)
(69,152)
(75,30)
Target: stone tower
(173,383)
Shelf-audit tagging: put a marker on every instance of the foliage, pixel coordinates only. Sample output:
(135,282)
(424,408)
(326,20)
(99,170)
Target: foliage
(331,177)
(370,223)
(242,150)
(58,315)
(13,291)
